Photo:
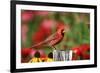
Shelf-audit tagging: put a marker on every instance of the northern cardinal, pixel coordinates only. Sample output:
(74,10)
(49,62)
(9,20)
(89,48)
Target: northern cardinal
(54,38)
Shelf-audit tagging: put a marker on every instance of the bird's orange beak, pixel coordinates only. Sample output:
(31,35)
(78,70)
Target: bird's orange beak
(64,31)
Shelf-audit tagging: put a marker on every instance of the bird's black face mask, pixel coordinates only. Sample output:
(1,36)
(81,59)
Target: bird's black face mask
(62,32)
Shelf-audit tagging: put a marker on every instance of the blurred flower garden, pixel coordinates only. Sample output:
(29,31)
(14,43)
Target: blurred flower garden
(36,26)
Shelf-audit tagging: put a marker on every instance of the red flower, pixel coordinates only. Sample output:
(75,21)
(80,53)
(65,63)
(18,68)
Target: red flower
(47,26)
(86,56)
(85,47)
(42,54)
(27,16)
(33,51)
(38,36)
(48,23)
(26,52)
(85,50)
(76,50)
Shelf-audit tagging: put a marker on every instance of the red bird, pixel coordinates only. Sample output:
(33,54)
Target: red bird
(54,38)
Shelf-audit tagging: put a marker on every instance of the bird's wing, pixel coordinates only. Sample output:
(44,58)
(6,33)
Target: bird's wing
(38,44)
(56,40)
(52,37)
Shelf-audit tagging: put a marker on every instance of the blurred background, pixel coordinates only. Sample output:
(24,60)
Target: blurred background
(36,26)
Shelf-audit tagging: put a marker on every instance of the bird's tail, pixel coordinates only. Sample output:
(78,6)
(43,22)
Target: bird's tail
(38,44)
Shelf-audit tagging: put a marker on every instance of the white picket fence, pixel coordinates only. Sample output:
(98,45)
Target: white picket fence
(62,55)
